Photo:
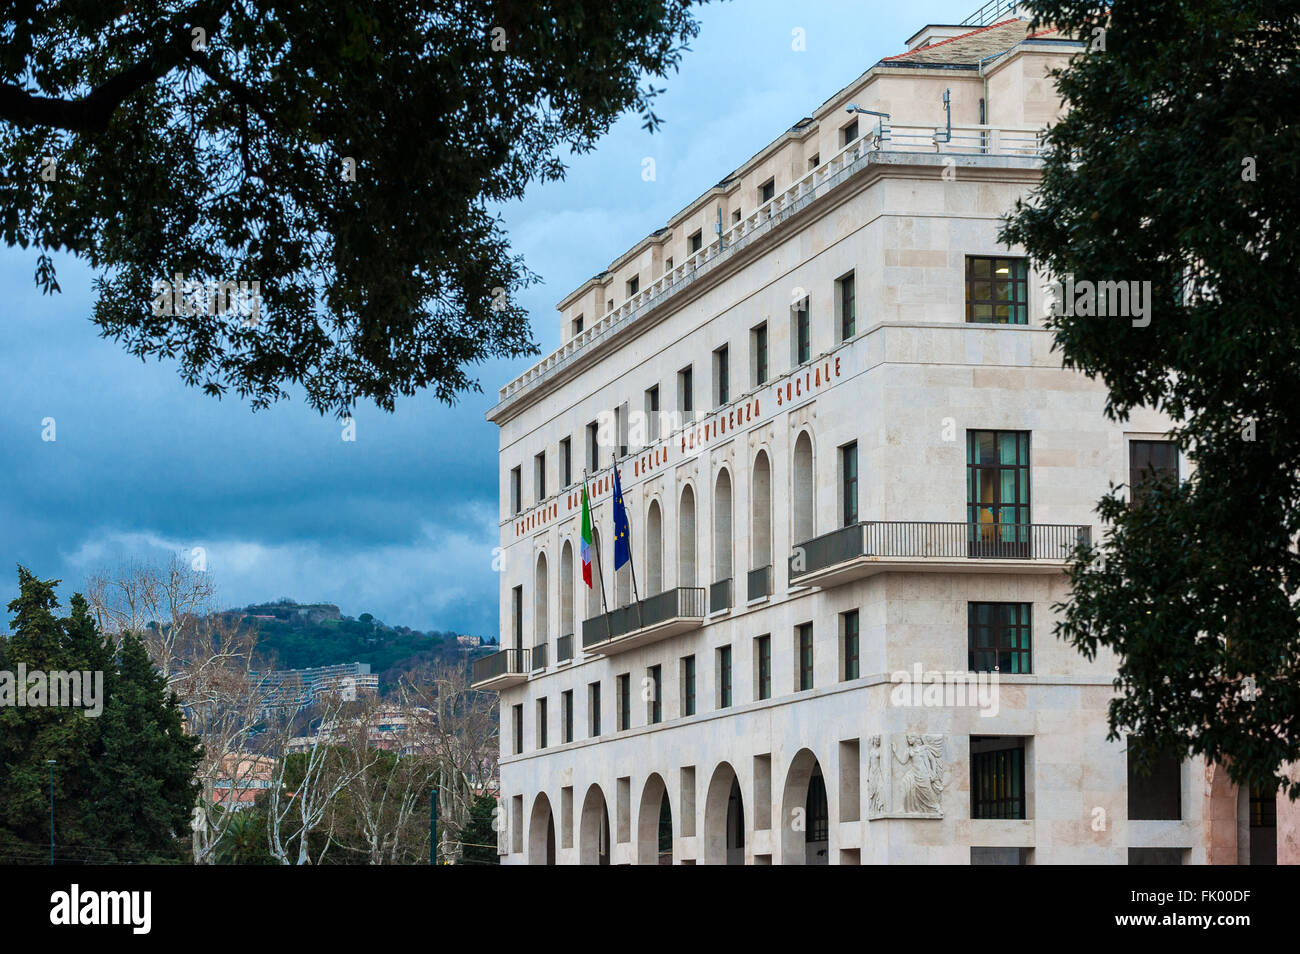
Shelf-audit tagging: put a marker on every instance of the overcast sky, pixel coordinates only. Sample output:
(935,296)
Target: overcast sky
(402,522)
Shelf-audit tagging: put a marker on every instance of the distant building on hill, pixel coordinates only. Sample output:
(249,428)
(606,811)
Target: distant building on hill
(299,687)
(469,642)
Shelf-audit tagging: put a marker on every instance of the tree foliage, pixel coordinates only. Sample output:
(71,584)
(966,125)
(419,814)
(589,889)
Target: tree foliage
(216,140)
(123,781)
(1177,164)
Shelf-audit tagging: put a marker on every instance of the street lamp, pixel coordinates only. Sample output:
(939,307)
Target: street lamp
(51,763)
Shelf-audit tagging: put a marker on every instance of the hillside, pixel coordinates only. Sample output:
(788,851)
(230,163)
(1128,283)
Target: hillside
(302,635)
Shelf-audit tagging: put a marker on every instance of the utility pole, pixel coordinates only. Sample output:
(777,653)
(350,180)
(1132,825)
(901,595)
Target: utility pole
(51,763)
(433,826)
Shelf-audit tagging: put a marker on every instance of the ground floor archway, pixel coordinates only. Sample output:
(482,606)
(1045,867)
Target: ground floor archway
(593,832)
(805,814)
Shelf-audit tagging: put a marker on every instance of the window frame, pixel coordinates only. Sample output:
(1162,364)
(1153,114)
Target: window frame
(1001,638)
(1017,286)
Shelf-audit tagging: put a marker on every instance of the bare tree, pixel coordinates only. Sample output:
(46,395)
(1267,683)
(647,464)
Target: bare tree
(395,772)
(207,660)
(301,804)
(463,737)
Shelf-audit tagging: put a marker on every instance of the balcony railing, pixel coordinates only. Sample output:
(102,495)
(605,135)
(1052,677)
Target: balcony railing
(685,603)
(507,662)
(1012,141)
(720,596)
(540,653)
(923,540)
(564,648)
(760,582)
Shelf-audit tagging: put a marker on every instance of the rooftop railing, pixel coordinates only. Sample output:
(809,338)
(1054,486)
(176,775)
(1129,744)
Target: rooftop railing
(1011,141)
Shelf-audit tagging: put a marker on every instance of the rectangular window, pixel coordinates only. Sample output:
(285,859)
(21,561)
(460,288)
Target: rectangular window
(516,490)
(623,689)
(847,306)
(766,191)
(686,393)
(804,655)
(593,446)
(652,414)
(541,723)
(539,476)
(997,501)
(633,285)
(997,290)
(593,708)
(696,242)
(763,659)
(998,637)
(688,685)
(735,216)
(997,777)
(849,484)
(577,325)
(848,133)
(1150,462)
(620,430)
(724,677)
(801,332)
(721,376)
(814,161)
(758,348)
(566,461)
(668,264)
(519,729)
(849,629)
(1154,793)
(517,611)
(656,674)
(566,714)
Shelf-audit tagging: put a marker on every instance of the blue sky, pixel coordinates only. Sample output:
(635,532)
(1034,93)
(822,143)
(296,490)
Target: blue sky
(400,523)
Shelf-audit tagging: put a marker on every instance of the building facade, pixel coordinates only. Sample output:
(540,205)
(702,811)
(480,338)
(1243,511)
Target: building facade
(853,470)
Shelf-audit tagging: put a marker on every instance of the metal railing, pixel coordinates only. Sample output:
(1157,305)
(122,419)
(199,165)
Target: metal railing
(564,648)
(992,12)
(760,582)
(682,602)
(507,662)
(720,595)
(939,540)
(982,140)
(540,653)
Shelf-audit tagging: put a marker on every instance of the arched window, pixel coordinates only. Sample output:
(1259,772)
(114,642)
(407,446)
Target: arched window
(722,527)
(686,538)
(803,528)
(566,589)
(654,550)
(761,525)
(595,605)
(540,609)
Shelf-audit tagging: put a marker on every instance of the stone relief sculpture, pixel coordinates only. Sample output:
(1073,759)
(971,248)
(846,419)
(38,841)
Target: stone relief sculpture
(923,779)
(875,777)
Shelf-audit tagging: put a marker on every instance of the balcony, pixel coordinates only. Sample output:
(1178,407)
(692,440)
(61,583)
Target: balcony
(540,655)
(509,667)
(760,583)
(564,648)
(720,596)
(650,620)
(870,547)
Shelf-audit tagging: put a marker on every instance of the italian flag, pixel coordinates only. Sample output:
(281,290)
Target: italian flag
(586,538)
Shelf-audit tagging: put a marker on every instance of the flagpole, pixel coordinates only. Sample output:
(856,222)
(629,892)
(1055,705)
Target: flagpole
(636,597)
(595,542)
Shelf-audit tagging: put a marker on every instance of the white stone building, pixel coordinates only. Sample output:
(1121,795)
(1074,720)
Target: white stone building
(847,452)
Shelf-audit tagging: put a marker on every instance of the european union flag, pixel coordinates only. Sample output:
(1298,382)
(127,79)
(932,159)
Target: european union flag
(622,534)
